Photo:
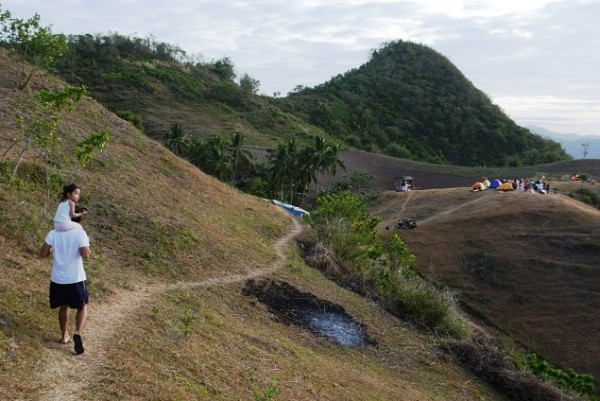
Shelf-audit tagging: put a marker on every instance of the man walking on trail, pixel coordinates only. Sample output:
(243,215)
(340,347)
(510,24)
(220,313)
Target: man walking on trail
(67,284)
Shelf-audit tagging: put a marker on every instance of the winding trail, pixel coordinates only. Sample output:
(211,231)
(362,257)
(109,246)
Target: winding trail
(64,376)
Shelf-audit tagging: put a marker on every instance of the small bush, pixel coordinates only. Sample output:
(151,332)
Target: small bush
(257,187)
(588,196)
(485,357)
(483,265)
(427,307)
(133,118)
(568,379)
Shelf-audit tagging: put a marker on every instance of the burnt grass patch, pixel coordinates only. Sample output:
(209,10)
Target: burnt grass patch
(319,316)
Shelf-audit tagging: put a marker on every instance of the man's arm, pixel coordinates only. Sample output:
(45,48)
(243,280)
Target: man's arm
(85,252)
(45,251)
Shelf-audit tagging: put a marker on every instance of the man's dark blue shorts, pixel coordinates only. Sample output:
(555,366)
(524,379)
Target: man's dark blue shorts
(74,295)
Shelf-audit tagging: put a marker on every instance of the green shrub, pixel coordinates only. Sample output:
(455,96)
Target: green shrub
(428,307)
(133,118)
(257,187)
(480,263)
(583,384)
(588,196)
(226,92)
(270,392)
(384,270)
(341,219)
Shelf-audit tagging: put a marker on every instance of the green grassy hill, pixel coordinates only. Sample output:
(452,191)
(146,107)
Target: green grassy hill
(172,250)
(160,85)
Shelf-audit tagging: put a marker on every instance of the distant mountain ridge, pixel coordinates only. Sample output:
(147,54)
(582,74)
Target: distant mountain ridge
(572,143)
(407,101)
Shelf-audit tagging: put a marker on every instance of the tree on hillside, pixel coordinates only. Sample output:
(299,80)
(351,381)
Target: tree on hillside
(249,85)
(316,155)
(361,177)
(325,158)
(282,162)
(40,127)
(35,43)
(84,149)
(305,170)
(333,160)
(213,156)
(224,68)
(176,140)
(241,158)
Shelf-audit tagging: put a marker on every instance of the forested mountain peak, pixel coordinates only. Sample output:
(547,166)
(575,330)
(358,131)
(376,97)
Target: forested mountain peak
(410,101)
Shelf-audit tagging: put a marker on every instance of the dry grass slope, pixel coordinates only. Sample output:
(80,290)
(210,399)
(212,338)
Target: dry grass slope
(158,227)
(527,263)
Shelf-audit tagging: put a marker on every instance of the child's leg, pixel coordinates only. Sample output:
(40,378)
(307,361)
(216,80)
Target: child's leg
(67,226)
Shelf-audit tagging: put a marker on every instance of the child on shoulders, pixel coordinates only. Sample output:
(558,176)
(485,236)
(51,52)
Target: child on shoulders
(66,209)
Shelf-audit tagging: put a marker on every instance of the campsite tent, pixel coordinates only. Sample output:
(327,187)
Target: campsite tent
(495,183)
(507,186)
(478,186)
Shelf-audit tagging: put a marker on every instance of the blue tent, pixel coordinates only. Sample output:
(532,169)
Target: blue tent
(495,183)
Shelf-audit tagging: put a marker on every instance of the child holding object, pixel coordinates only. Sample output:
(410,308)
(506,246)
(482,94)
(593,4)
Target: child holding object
(66,209)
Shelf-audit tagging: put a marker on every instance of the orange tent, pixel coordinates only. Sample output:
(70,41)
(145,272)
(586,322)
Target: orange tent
(507,186)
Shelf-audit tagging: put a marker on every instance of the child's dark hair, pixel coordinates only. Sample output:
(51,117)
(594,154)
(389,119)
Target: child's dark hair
(68,189)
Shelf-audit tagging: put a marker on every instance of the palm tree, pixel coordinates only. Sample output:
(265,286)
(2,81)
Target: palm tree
(240,158)
(218,158)
(334,160)
(212,156)
(305,171)
(196,152)
(318,162)
(282,164)
(176,140)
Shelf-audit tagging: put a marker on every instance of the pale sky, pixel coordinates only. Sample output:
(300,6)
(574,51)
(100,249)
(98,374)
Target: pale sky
(539,60)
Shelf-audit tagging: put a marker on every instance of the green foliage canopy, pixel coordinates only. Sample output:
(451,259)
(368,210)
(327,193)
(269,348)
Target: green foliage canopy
(35,43)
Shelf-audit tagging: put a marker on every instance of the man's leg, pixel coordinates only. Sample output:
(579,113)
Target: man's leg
(80,322)
(80,319)
(63,322)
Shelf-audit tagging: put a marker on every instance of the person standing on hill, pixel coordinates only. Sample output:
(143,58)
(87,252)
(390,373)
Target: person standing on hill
(68,280)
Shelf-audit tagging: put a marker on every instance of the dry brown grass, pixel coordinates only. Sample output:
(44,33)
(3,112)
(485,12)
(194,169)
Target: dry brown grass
(526,263)
(156,224)
(235,347)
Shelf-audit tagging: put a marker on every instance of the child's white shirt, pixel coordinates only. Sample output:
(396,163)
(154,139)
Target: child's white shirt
(63,212)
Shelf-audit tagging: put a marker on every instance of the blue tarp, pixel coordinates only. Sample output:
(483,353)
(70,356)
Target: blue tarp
(295,210)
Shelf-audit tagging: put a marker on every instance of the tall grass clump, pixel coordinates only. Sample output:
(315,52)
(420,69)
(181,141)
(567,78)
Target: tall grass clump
(346,235)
